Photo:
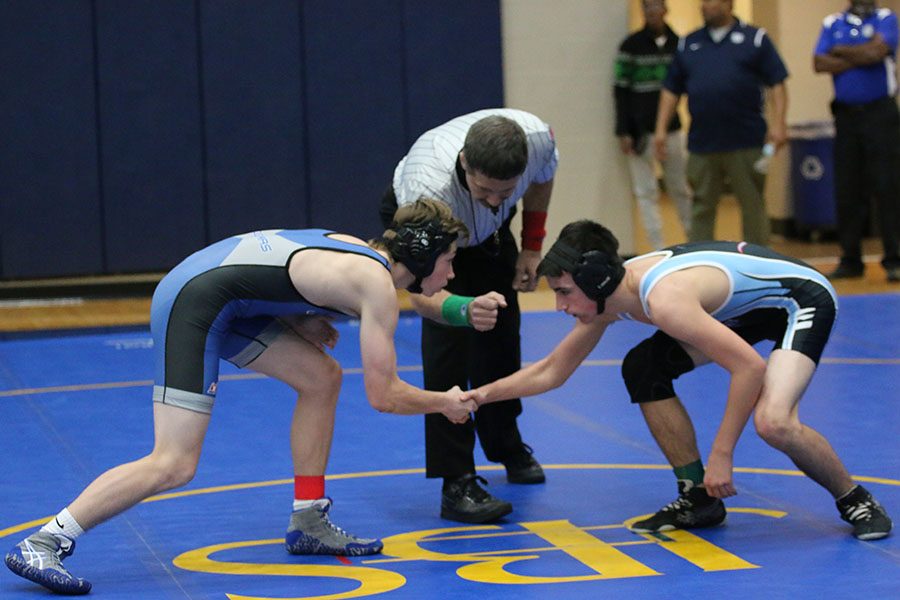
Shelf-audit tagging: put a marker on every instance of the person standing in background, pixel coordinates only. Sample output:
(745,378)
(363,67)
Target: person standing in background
(858,48)
(641,67)
(723,68)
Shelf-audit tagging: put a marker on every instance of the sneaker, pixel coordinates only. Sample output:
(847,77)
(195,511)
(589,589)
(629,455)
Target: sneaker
(869,519)
(893,273)
(312,532)
(464,500)
(39,558)
(523,468)
(847,270)
(693,508)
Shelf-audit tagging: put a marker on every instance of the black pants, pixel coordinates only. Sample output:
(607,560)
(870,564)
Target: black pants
(867,163)
(468,358)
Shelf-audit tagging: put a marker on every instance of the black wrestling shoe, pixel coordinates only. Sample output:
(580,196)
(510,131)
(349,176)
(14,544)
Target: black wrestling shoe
(847,270)
(893,274)
(692,509)
(869,519)
(464,500)
(523,468)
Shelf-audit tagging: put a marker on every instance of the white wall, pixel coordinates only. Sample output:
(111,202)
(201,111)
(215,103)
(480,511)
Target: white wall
(795,35)
(558,64)
(684,15)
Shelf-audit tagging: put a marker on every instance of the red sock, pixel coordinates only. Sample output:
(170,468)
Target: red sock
(309,488)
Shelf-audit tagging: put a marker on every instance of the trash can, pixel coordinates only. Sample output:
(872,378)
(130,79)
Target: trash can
(812,177)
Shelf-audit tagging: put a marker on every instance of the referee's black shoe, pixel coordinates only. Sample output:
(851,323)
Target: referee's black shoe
(464,500)
(522,467)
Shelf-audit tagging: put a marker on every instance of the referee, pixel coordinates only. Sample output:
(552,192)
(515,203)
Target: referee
(480,164)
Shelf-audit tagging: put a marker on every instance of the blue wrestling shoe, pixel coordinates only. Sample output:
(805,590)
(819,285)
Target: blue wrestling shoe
(312,532)
(39,557)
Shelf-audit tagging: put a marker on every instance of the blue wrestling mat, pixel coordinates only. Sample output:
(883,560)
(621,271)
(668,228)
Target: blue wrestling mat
(73,406)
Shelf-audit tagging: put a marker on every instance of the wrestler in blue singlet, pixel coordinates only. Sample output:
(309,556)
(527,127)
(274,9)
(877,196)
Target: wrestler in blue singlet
(221,302)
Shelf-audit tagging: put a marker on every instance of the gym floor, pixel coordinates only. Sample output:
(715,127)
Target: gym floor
(75,405)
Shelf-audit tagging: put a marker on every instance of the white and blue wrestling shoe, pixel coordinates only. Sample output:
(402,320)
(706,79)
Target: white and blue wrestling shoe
(39,557)
(312,532)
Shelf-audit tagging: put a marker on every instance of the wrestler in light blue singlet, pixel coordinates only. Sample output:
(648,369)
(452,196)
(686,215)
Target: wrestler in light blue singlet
(759,279)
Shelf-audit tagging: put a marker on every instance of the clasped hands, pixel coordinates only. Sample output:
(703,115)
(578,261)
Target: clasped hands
(461,404)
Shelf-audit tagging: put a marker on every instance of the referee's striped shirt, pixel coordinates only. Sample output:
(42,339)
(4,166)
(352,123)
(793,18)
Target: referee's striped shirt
(429,169)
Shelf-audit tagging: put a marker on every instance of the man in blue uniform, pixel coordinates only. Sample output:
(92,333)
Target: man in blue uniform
(263,301)
(711,301)
(858,47)
(723,68)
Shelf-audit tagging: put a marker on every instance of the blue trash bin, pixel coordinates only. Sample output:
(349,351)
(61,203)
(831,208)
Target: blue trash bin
(812,177)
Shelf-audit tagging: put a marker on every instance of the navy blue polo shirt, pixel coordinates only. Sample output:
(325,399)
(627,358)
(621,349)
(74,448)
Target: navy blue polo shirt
(724,83)
(868,83)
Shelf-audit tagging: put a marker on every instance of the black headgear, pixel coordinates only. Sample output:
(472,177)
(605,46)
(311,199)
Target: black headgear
(863,11)
(418,246)
(595,272)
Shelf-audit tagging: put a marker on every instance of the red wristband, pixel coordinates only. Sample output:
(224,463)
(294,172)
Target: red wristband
(533,231)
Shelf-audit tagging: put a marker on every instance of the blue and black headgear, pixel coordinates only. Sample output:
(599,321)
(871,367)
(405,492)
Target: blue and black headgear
(595,272)
(417,246)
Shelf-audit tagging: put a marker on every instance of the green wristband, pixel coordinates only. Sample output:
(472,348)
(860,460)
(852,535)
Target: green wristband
(455,310)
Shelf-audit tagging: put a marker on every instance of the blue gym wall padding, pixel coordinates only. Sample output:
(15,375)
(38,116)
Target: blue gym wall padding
(137,132)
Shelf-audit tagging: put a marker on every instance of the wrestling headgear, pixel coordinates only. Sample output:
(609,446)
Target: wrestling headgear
(417,246)
(595,272)
(863,10)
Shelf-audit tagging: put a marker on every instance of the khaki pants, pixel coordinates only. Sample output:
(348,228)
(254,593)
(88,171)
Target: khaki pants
(646,189)
(707,174)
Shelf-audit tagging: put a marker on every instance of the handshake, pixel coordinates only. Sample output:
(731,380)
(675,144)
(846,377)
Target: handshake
(458,405)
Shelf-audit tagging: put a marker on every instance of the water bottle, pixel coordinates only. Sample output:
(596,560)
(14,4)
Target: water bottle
(762,163)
